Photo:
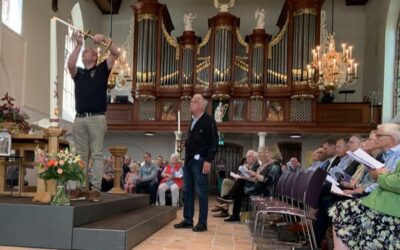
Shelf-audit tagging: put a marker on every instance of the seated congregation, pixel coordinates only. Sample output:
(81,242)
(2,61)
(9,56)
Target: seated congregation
(286,199)
(155,178)
(277,197)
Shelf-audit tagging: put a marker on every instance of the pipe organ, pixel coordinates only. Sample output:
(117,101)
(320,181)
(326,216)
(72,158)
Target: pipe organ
(266,74)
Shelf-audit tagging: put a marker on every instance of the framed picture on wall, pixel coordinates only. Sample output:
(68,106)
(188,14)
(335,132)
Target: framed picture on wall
(275,109)
(168,111)
(5,143)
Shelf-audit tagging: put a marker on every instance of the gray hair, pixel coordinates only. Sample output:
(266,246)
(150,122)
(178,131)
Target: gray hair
(175,155)
(391,129)
(204,102)
(252,152)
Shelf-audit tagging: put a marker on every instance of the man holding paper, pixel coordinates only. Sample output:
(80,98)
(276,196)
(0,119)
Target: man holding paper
(241,180)
(361,178)
(388,138)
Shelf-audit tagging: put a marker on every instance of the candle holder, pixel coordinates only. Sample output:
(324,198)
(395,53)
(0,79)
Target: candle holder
(178,142)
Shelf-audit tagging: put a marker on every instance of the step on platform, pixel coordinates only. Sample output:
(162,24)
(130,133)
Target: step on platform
(122,231)
(28,224)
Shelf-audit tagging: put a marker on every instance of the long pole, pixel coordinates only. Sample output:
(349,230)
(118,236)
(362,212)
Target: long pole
(86,34)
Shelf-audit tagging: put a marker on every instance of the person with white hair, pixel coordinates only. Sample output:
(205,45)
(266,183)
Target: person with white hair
(373,222)
(172,180)
(201,147)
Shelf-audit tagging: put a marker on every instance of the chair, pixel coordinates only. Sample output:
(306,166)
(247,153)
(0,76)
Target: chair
(306,193)
(288,199)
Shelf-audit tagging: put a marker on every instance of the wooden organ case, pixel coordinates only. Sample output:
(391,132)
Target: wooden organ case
(260,79)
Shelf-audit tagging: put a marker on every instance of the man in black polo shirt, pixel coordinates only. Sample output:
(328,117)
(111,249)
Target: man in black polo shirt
(91,104)
(201,147)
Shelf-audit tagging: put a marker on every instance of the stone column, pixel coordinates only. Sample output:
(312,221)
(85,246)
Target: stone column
(117,152)
(45,189)
(261,139)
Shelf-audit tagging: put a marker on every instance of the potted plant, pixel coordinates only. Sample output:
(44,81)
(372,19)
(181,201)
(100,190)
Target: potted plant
(12,117)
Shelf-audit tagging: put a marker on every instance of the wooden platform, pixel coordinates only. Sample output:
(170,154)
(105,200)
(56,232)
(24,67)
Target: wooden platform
(117,222)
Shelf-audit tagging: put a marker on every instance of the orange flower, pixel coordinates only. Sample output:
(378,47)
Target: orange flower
(80,164)
(51,163)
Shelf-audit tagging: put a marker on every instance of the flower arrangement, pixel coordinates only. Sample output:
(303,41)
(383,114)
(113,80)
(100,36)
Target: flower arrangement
(62,166)
(10,113)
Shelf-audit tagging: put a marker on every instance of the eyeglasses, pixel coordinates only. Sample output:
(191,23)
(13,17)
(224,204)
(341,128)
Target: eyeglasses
(380,135)
(351,142)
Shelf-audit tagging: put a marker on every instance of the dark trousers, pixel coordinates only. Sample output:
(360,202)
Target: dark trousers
(323,220)
(150,187)
(195,181)
(106,185)
(237,193)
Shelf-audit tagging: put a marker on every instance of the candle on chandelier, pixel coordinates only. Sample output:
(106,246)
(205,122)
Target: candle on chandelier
(179,121)
(344,49)
(350,49)
(314,54)
(355,69)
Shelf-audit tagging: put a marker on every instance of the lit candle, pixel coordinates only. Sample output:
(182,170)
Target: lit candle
(350,49)
(308,71)
(179,121)
(344,49)
(355,69)
(53,71)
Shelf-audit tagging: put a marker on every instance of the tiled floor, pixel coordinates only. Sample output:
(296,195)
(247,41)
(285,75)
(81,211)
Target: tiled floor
(220,235)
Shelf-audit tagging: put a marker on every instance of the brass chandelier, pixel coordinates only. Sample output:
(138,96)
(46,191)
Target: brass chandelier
(330,69)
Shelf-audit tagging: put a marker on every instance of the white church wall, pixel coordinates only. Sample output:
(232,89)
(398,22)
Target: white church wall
(376,12)
(159,144)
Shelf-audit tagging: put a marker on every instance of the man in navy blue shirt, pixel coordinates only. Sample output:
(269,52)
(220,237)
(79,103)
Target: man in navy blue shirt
(91,104)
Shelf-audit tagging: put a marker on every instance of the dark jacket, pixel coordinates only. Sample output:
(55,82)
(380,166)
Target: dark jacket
(202,139)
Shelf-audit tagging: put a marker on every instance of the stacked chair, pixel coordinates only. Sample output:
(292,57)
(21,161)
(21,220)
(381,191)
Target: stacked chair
(295,202)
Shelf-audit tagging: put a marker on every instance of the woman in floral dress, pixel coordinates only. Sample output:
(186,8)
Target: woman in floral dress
(372,222)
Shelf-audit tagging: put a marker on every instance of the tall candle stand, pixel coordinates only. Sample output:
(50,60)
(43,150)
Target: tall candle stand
(178,142)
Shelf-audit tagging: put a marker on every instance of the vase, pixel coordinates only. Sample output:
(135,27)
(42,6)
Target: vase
(61,198)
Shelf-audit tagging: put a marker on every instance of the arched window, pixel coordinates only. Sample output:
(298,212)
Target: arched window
(11,14)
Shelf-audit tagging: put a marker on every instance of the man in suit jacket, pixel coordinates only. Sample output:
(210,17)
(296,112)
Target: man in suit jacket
(201,147)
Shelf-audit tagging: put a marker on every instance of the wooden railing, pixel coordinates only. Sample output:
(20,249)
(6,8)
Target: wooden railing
(327,118)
